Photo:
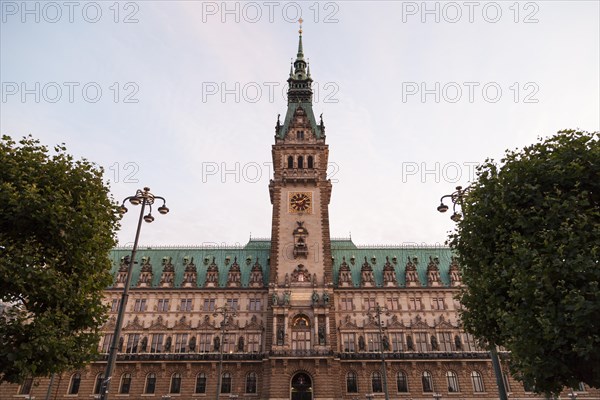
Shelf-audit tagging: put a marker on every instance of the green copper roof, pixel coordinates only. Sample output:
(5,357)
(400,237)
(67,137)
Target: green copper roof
(246,257)
(260,248)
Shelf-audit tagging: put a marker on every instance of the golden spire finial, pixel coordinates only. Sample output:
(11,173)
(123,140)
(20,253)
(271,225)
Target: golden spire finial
(300,21)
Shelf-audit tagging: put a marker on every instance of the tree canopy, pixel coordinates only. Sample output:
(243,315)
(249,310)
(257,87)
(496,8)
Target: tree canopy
(57,226)
(529,245)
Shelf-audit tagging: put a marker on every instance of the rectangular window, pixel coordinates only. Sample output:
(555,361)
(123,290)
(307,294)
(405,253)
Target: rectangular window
(301,340)
(445,341)
(186,305)
(132,343)
(157,343)
(139,305)
(255,305)
(414,303)
(369,303)
(437,303)
(397,341)
(114,307)
(373,342)
(254,343)
(205,342)
(470,344)
(106,343)
(421,341)
(181,342)
(163,305)
(229,343)
(392,303)
(209,305)
(348,342)
(346,304)
(232,304)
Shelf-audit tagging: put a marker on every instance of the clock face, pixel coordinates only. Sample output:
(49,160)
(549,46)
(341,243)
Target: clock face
(300,202)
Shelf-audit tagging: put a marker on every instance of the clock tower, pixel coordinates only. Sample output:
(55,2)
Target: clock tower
(300,281)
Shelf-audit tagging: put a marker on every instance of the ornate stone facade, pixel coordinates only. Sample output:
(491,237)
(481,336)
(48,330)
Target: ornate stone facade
(305,326)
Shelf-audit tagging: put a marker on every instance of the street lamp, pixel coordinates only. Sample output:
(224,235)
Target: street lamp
(227,312)
(376,312)
(145,198)
(457,198)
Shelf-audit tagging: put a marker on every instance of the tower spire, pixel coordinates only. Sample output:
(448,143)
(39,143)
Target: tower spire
(300,55)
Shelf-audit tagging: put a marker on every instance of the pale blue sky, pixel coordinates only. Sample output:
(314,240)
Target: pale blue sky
(367,60)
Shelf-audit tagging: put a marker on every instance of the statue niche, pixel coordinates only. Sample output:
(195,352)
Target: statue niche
(300,235)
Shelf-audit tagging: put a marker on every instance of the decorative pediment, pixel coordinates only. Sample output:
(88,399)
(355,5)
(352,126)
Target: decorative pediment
(454,272)
(418,323)
(254,325)
(347,323)
(234,277)
(134,325)
(411,275)
(443,324)
(433,272)
(158,325)
(206,324)
(212,275)
(256,275)
(395,323)
(371,323)
(389,274)
(110,324)
(366,275)
(344,275)
(183,324)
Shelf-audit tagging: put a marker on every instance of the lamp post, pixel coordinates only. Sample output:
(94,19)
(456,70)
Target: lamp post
(145,198)
(227,313)
(376,312)
(457,198)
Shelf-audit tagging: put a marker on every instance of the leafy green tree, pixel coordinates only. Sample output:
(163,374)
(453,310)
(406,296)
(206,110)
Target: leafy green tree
(529,245)
(57,225)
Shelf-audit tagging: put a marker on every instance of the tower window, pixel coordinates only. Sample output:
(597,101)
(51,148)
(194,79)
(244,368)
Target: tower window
(310,162)
(300,135)
(300,162)
(290,162)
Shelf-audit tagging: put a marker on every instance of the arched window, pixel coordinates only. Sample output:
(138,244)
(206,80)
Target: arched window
(300,162)
(226,383)
(300,135)
(376,382)
(98,384)
(290,162)
(125,384)
(427,381)
(26,386)
(74,384)
(150,385)
(251,383)
(351,384)
(175,383)
(310,162)
(402,382)
(201,383)
(477,382)
(452,381)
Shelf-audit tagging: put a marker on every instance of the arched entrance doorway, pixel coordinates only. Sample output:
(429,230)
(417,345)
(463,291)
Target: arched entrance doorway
(301,387)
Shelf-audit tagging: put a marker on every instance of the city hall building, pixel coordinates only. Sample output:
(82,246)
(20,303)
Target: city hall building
(299,316)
